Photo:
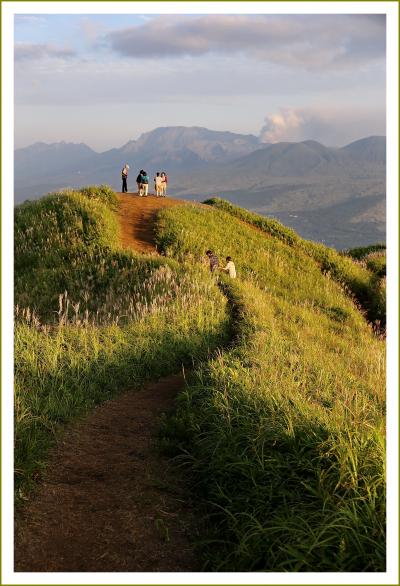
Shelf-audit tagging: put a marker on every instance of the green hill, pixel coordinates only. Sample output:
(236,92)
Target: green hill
(281,426)
(286,429)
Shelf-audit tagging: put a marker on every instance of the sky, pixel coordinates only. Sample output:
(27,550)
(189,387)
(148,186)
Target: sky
(105,79)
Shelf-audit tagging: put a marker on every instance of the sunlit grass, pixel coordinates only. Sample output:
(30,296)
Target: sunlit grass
(355,277)
(93,320)
(281,431)
(284,433)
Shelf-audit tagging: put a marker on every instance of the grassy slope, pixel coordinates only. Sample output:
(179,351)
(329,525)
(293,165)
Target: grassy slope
(357,278)
(285,432)
(124,318)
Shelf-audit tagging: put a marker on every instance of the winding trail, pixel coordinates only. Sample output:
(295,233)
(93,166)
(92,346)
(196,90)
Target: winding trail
(109,500)
(137,215)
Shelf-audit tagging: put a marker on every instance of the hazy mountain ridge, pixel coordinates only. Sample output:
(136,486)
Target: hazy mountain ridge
(286,177)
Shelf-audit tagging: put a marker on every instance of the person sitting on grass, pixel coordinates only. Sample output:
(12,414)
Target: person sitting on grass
(213,260)
(230,267)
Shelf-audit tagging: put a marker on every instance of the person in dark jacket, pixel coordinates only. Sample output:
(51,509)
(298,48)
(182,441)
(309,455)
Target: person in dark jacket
(139,183)
(124,174)
(213,260)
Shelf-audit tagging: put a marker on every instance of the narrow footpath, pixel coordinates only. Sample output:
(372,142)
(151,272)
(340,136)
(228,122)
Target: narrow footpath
(110,502)
(137,215)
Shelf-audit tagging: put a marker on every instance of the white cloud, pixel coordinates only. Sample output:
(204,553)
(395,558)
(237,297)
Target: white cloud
(29,19)
(286,123)
(330,126)
(306,41)
(34,51)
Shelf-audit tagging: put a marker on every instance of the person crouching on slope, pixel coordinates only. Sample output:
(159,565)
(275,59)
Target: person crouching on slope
(213,260)
(230,268)
(124,174)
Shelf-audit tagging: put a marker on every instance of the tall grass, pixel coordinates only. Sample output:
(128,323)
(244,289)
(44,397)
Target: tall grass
(355,277)
(276,267)
(92,320)
(283,433)
(284,438)
(363,251)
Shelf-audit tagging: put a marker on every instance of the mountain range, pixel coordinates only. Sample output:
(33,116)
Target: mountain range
(334,195)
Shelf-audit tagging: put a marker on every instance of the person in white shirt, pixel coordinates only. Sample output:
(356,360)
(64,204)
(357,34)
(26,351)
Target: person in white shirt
(230,268)
(158,185)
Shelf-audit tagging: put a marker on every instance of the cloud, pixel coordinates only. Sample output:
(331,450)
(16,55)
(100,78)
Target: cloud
(330,126)
(306,41)
(33,51)
(280,126)
(28,19)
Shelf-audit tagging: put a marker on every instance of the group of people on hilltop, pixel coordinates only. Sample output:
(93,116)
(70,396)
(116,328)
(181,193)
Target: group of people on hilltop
(160,186)
(143,180)
(230,268)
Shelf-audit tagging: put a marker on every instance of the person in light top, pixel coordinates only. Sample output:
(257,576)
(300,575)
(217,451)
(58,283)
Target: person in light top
(158,185)
(230,268)
(164,183)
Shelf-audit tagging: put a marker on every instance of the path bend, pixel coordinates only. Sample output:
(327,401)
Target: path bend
(109,501)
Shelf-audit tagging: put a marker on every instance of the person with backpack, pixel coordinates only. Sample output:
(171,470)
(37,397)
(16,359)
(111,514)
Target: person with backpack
(139,183)
(124,174)
(213,260)
(164,183)
(145,184)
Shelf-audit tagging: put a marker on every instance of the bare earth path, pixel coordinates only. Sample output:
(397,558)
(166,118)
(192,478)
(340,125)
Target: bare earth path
(137,215)
(109,500)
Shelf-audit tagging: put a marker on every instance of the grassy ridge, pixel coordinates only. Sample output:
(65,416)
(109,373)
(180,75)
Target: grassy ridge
(283,434)
(92,320)
(355,277)
(363,251)
(275,266)
(59,243)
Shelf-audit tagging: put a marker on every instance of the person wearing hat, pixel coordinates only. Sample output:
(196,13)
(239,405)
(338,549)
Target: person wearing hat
(125,179)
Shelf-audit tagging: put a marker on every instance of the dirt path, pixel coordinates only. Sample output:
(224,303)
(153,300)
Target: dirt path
(109,500)
(137,215)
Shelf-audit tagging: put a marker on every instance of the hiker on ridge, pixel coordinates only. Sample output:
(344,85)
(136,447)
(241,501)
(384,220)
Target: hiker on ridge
(124,174)
(164,183)
(139,182)
(158,185)
(213,260)
(230,268)
(145,184)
